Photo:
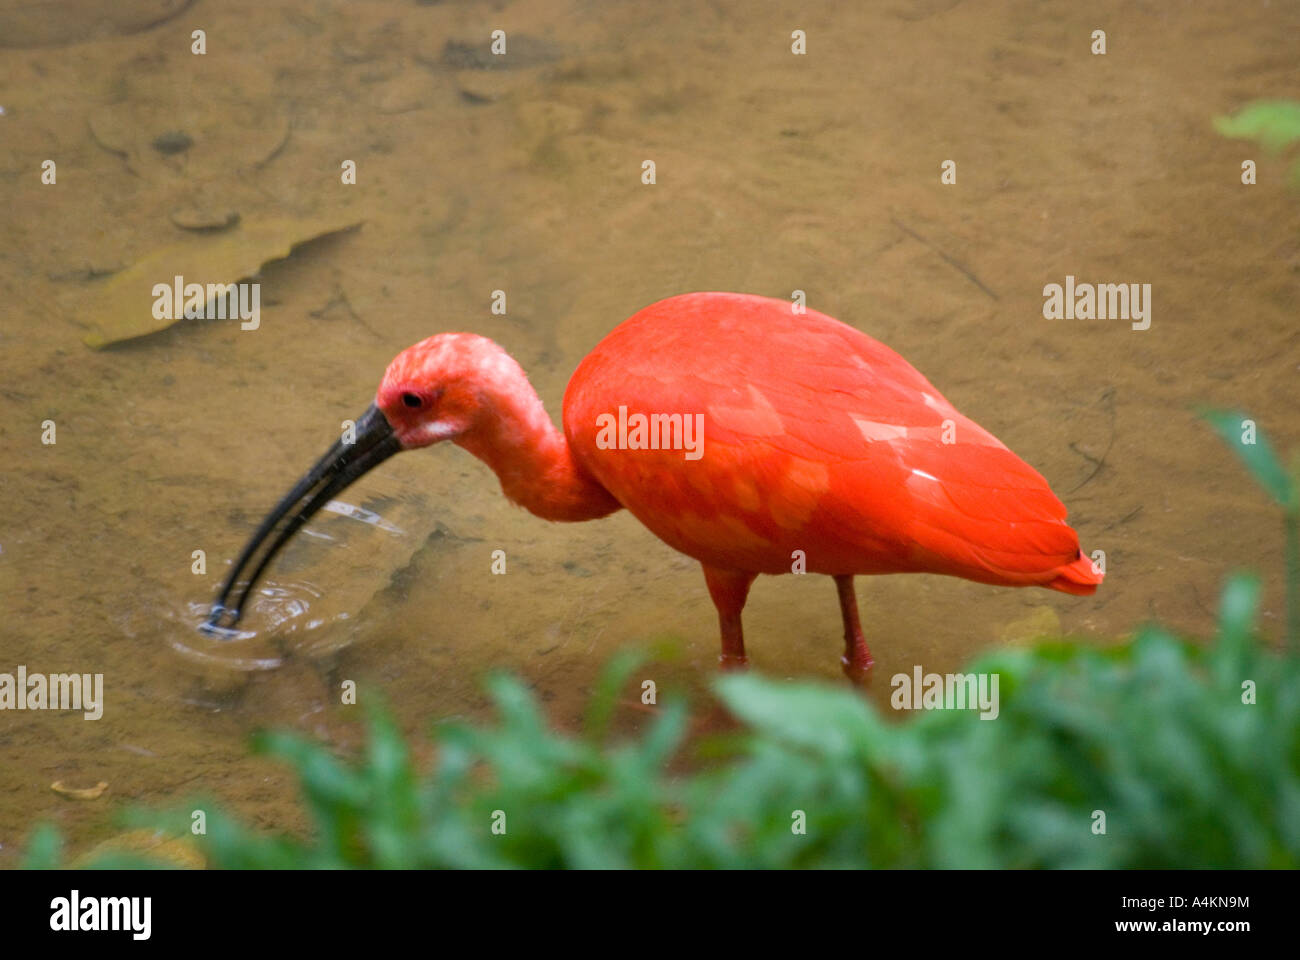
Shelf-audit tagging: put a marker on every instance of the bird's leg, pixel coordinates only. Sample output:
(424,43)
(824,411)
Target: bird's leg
(729,590)
(857,658)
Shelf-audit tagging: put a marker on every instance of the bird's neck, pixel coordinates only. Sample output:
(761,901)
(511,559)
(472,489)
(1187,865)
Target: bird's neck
(532,458)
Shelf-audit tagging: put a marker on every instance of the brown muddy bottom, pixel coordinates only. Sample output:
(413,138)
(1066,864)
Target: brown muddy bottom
(775,173)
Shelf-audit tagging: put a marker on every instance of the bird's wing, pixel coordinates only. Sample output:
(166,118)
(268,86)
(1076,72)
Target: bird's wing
(820,438)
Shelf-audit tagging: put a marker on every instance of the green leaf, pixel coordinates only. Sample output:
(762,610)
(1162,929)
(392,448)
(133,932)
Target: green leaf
(833,722)
(612,679)
(1258,456)
(44,849)
(1237,609)
(1273,123)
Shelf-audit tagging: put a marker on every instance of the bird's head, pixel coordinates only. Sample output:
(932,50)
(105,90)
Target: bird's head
(439,389)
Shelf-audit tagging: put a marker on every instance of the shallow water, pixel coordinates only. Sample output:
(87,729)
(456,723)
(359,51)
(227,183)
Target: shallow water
(774,173)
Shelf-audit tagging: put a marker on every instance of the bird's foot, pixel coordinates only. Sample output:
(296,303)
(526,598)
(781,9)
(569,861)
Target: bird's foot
(857,668)
(732,662)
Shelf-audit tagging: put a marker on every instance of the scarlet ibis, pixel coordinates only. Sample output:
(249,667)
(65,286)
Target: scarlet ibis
(750,436)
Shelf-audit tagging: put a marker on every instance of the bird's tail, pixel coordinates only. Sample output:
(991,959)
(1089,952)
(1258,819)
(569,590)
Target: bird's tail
(1079,577)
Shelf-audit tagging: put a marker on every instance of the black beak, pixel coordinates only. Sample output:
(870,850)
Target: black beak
(344,463)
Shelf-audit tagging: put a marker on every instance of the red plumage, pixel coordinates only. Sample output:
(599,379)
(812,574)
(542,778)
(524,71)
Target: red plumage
(819,439)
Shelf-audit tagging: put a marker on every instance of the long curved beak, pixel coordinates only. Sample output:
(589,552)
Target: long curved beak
(344,462)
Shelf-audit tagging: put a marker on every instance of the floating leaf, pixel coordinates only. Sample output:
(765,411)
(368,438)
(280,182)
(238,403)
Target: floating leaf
(1273,123)
(126,307)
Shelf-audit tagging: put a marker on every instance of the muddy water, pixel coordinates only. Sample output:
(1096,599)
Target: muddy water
(774,173)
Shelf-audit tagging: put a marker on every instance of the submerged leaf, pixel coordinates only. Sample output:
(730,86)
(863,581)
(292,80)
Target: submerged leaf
(125,308)
(29,25)
(164,133)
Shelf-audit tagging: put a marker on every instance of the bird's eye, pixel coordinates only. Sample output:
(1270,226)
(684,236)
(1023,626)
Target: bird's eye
(412,400)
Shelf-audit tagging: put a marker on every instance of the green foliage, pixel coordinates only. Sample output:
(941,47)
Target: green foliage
(1264,466)
(1154,734)
(1274,124)
(44,848)
(1257,455)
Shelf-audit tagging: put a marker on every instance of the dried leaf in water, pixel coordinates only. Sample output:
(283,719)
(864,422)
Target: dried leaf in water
(79,793)
(125,307)
(1040,622)
(198,218)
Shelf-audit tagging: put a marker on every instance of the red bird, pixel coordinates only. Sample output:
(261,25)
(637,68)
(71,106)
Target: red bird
(750,437)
